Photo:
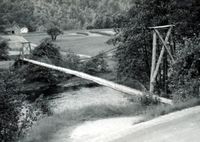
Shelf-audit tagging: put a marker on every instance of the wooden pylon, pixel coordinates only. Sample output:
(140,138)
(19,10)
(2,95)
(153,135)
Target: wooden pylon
(155,65)
(25,50)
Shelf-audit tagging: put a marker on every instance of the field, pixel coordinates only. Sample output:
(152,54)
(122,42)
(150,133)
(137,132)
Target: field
(90,44)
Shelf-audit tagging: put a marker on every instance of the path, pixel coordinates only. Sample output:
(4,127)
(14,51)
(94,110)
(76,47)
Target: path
(183,126)
(95,130)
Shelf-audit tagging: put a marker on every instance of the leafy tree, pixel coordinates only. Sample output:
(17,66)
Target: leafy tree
(47,49)
(134,39)
(46,52)
(54,32)
(4,50)
(184,82)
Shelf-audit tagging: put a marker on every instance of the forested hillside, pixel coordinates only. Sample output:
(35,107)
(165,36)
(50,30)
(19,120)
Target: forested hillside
(68,14)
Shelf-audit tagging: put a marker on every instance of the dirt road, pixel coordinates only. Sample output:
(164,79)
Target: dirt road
(183,126)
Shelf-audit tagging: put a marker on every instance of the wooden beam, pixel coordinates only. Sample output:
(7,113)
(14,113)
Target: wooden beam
(161,55)
(98,80)
(153,64)
(165,45)
(160,27)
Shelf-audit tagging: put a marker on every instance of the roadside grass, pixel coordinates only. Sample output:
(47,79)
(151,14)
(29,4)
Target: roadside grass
(159,110)
(45,129)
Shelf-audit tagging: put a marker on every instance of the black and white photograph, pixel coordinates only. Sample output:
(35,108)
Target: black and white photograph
(99,70)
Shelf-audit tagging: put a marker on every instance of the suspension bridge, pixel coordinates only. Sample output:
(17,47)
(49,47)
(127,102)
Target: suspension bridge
(100,81)
(26,51)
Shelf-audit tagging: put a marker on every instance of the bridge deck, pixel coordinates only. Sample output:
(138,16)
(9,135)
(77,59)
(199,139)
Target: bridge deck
(98,80)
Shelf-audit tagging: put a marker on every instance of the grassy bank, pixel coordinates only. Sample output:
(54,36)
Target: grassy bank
(45,129)
(156,111)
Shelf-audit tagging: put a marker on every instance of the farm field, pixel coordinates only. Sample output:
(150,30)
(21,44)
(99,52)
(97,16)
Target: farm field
(89,45)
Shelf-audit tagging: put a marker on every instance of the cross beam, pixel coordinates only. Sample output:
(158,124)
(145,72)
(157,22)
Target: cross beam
(26,49)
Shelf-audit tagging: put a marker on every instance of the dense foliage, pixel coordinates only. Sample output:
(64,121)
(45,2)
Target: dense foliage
(17,11)
(70,14)
(185,83)
(10,105)
(134,39)
(46,52)
(4,50)
(97,64)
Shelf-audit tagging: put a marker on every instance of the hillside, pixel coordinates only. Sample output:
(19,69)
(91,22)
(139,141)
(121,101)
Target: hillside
(70,14)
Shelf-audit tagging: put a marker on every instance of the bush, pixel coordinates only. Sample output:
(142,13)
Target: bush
(145,100)
(4,50)
(71,61)
(96,64)
(185,83)
(9,117)
(10,106)
(90,27)
(46,52)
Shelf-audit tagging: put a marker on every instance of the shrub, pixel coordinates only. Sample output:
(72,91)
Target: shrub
(71,61)
(46,52)
(89,27)
(47,49)
(185,81)
(10,106)
(4,50)
(146,100)
(96,64)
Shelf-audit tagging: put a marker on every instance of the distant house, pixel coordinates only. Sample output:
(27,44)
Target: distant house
(24,30)
(13,29)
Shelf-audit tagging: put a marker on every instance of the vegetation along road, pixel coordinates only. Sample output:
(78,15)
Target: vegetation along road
(181,126)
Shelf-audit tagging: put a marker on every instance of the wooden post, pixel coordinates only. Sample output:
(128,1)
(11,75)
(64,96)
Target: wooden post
(152,82)
(22,51)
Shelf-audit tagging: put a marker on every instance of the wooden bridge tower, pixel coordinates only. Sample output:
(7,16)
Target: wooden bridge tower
(25,50)
(161,57)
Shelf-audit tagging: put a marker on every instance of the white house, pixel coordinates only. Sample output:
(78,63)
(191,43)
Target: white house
(24,30)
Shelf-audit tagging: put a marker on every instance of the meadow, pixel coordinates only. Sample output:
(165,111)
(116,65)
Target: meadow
(76,41)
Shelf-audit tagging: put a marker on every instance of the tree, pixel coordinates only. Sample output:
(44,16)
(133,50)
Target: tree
(54,32)
(134,39)
(184,81)
(46,52)
(4,50)
(10,106)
